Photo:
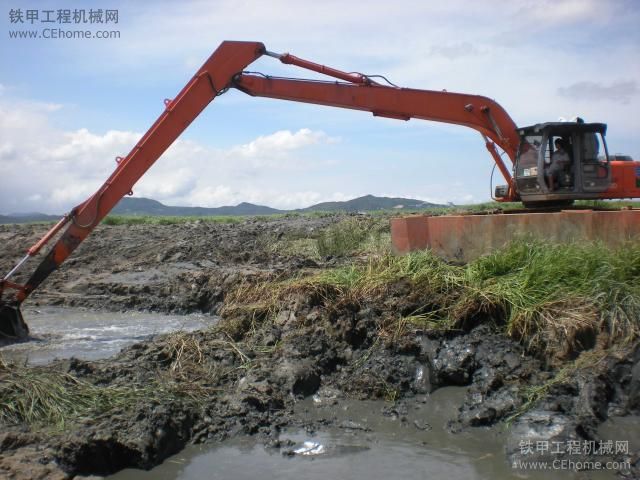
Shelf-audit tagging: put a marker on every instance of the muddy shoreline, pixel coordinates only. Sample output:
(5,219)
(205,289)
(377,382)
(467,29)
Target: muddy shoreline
(244,376)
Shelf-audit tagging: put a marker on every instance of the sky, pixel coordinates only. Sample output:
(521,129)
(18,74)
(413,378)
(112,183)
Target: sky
(68,107)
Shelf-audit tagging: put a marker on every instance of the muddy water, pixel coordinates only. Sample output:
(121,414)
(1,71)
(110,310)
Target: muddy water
(365,444)
(366,440)
(90,335)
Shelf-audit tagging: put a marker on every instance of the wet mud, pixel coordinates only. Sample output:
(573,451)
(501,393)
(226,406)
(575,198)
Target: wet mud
(247,377)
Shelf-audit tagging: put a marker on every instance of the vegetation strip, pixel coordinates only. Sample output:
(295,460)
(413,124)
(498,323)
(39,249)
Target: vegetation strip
(557,299)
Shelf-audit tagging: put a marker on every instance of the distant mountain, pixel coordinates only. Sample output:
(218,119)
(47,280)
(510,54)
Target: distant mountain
(146,206)
(369,203)
(28,218)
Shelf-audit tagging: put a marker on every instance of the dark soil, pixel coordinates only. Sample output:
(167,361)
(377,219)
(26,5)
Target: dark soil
(170,268)
(245,377)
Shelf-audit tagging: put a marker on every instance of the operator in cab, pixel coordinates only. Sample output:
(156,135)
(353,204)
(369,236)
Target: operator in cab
(559,161)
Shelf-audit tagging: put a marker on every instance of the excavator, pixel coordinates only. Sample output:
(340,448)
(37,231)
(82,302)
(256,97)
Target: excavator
(591,172)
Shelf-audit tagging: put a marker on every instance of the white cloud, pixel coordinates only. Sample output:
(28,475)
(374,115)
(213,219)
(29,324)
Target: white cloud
(48,169)
(83,150)
(620,91)
(555,12)
(68,194)
(454,50)
(217,195)
(52,169)
(23,116)
(279,143)
(168,183)
(271,150)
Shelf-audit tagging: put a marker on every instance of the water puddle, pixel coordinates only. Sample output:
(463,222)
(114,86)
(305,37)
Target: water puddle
(362,444)
(91,335)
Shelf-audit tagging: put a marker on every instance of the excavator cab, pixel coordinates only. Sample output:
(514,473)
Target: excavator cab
(559,162)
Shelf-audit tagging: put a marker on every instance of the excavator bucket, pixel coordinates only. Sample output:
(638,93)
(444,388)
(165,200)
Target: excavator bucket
(12,325)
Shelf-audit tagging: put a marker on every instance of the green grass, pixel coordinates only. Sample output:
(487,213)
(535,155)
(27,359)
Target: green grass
(353,235)
(342,238)
(40,395)
(614,204)
(557,299)
(51,397)
(559,294)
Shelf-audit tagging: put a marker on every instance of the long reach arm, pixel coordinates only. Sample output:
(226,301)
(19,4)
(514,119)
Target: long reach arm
(224,69)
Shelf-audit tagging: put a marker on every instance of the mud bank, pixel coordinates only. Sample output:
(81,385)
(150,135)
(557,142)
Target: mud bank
(180,268)
(246,375)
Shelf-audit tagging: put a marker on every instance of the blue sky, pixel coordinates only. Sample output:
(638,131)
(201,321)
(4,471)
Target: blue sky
(69,106)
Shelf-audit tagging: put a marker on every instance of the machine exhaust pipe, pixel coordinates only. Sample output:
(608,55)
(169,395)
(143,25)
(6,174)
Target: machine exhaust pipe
(12,325)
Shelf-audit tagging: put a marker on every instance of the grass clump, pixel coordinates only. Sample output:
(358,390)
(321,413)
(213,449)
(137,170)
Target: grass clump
(556,299)
(559,297)
(188,371)
(47,396)
(341,239)
(40,395)
(351,235)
